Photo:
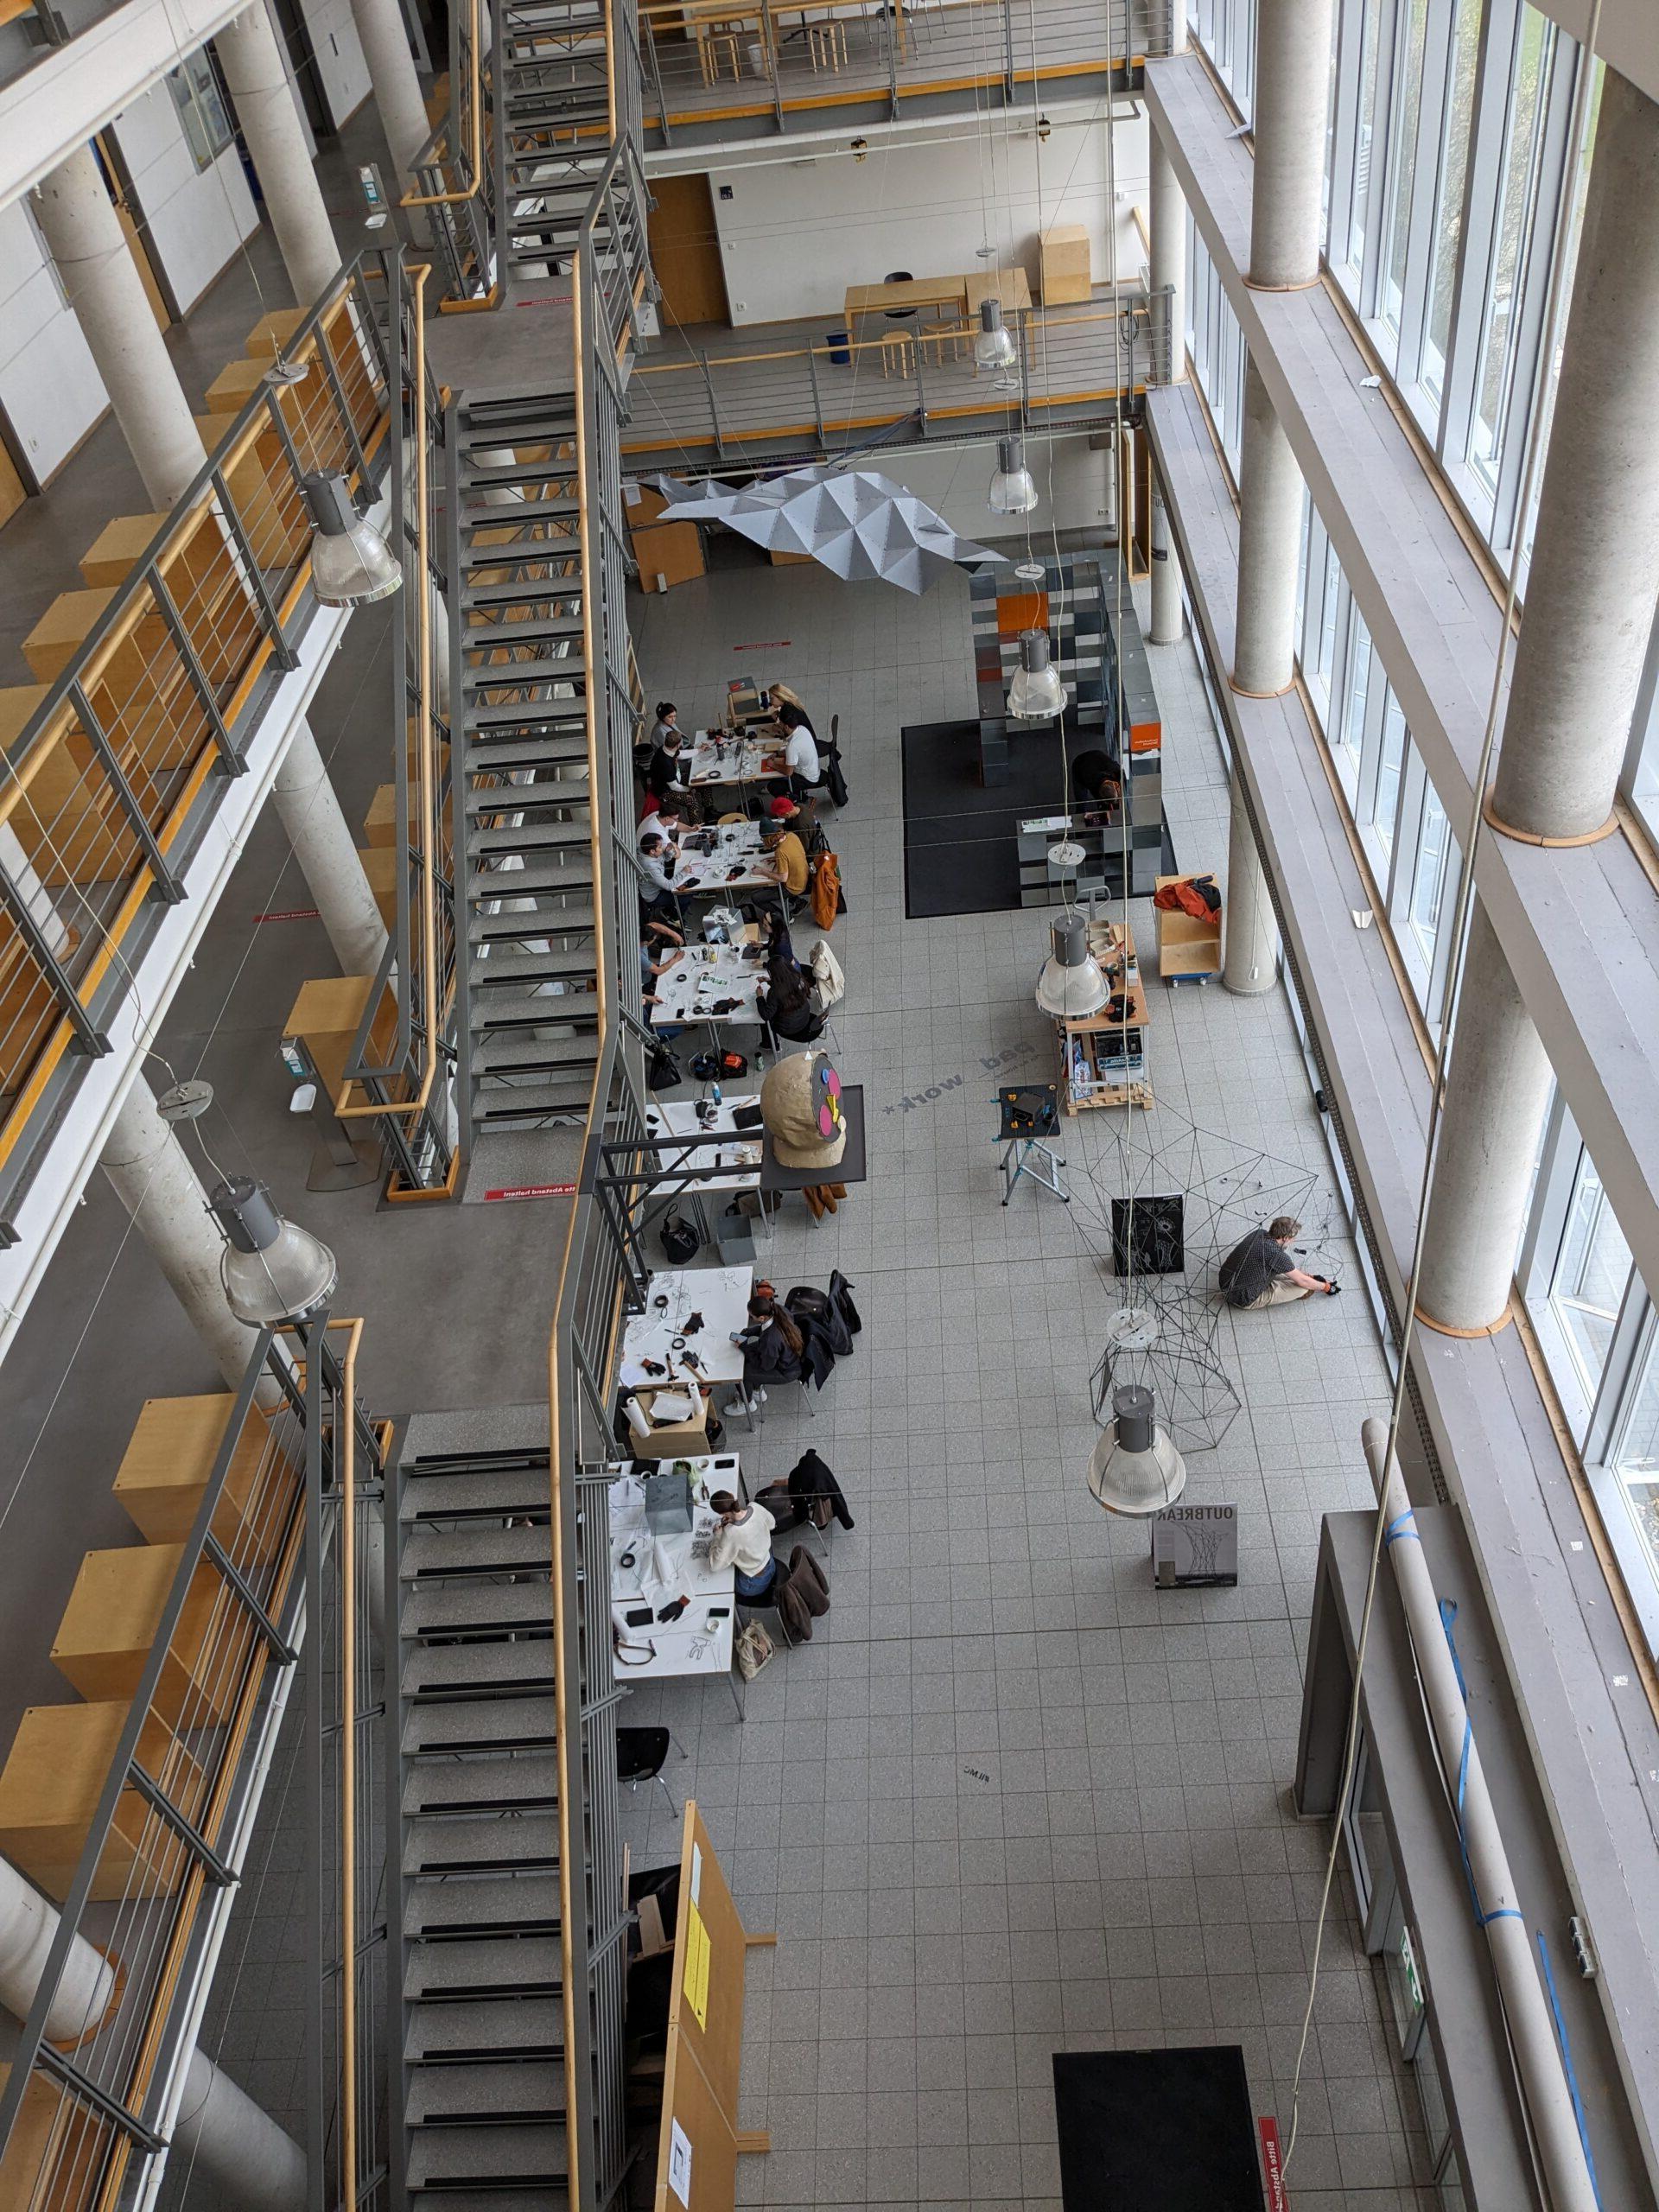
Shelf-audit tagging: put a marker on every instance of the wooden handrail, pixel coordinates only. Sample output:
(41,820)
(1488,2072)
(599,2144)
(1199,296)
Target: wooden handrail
(821,350)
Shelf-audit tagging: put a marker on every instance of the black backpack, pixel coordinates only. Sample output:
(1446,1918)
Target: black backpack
(663,1070)
(809,1305)
(679,1238)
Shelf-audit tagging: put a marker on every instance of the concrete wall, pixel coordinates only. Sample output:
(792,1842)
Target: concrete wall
(49,388)
(194,219)
(795,233)
(341,70)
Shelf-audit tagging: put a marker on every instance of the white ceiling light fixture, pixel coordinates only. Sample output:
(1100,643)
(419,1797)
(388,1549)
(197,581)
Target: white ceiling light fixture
(272,1270)
(1135,1469)
(352,565)
(1012,488)
(1036,694)
(1071,986)
(993,346)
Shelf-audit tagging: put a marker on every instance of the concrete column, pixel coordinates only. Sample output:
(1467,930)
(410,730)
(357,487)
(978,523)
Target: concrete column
(29,1928)
(1251,933)
(154,1178)
(1496,1097)
(385,41)
(326,852)
(234,2144)
(1594,578)
(1167,621)
(1292,89)
(84,232)
(1178,26)
(252,62)
(1167,244)
(1269,547)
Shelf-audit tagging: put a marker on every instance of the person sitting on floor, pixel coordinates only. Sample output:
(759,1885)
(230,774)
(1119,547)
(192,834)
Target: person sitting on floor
(1259,1270)
(743,1542)
(1098,780)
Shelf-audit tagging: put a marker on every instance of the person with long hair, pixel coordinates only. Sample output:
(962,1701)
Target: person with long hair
(772,1345)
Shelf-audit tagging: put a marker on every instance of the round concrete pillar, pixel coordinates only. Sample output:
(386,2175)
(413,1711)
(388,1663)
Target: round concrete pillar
(1292,88)
(1167,621)
(323,845)
(252,62)
(1249,931)
(1269,547)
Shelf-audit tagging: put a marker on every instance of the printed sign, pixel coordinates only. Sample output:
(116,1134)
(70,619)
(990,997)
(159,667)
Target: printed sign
(533,1191)
(1195,1548)
(696,1964)
(679,2162)
(764,645)
(1272,2169)
(287,914)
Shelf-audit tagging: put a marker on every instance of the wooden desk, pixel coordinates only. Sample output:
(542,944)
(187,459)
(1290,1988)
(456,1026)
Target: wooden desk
(1011,286)
(916,292)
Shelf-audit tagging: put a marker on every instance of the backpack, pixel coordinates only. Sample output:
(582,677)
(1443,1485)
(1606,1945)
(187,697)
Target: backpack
(808,1305)
(662,1071)
(826,893)
(826,974)
(679,1238)
(834,780)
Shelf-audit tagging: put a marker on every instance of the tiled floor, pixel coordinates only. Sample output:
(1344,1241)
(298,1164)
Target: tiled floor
(1012,1801)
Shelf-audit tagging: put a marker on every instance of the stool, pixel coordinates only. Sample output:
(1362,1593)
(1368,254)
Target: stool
(956,334)
(826,45)
(714,47)
(898,353)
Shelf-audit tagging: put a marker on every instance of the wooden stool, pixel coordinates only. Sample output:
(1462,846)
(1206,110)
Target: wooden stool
(714,47)
(956,335)
(898,353)
(826,45)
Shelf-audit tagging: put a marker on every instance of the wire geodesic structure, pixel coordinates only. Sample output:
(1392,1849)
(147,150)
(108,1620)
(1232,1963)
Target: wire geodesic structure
(1164,1331)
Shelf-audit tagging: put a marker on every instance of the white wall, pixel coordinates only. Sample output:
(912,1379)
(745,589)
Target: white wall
(341,70)
(49,388)
(194,219)
(1073,488)
(795,233)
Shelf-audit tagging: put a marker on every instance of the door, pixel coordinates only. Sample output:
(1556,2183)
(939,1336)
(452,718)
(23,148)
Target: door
(685,251)
(13,490)
(115,181)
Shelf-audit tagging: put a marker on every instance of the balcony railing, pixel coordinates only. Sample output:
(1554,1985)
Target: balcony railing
(714,70)
(453,183)
(120,761)
(1073,366)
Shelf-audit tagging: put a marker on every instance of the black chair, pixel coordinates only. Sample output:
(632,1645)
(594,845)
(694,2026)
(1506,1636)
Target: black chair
(641,1755)
(899,277)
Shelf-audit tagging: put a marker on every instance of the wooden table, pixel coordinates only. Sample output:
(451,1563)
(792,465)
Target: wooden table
(915,292)
(1011,286)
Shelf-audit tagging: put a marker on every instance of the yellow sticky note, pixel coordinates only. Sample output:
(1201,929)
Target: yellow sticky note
(696,1980)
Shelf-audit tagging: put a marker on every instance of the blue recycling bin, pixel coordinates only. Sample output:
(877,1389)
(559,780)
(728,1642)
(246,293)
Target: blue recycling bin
(840,343)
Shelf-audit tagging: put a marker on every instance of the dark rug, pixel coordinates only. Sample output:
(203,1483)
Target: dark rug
(1156,2131)
(960,856)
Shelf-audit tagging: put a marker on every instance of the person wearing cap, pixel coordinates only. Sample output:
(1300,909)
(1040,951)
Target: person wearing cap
(1259,1270)
(788,859)
(743,1542)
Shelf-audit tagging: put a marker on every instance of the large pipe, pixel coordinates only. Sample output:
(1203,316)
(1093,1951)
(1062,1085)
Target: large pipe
(29,1928)
(1531,2031)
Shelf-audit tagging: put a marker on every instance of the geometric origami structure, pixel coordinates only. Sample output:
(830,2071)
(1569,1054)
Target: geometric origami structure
(858,523)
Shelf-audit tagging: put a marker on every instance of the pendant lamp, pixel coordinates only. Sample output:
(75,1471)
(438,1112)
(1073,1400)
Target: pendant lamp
(1013,492)
(1071,986)
(352,565)
(1135,1469)
(1036,694)
(273,1271)
(993,346)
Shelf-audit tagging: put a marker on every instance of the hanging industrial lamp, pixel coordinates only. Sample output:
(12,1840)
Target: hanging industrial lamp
(1013,489)
(1071,986)
(1135,1469)
(1036,694)
(993,346)
(273,1271)
(352,565)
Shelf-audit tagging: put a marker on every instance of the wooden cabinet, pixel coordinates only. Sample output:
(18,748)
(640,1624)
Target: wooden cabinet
(50,1788)
(1102,1060)
(1065,274)
(109,1627)
(1189,947)
(169,1456)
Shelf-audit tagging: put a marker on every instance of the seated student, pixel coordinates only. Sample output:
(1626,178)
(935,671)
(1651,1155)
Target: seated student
(664,818)
(788,860)
(657,937)
(666,725)
(743,1542)
(784,1001)
(668,767)
(782,697)
(657,893)
(800,752)
(772,1345)
(1259,1271)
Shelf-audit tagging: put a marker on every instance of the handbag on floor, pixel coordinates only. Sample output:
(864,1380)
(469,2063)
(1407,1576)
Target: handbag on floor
(752,1650)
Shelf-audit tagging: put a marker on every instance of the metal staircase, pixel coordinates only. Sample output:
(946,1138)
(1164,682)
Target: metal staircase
(555,125)
(477,1856)
(524,841)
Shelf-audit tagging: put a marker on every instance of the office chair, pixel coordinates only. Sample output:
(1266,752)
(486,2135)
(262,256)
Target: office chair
(899,277)
(641,1755)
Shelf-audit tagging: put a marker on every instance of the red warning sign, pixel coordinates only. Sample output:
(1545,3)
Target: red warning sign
(1273,2167)
(534,1190)
(764,645)
(287,914)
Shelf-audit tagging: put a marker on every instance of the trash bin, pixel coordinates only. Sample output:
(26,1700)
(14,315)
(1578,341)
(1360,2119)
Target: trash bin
(840,343)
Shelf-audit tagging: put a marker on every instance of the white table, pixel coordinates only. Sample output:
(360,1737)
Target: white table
(732,1166)
(717,758)
(736,845)
(699,1642)
(719,1294)
(706,974)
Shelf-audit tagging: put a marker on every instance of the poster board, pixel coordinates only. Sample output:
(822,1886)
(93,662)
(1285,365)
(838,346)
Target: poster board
(697,2153)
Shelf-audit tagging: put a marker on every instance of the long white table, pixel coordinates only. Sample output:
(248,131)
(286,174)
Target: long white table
(654,1570)
(731,1164)
(718,758)
(673,1295)
(706,976)
(737,861)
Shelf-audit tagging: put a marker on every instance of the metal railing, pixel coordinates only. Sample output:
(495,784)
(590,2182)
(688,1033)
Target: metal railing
(106,791)
(399,1072)
(1073,365)
(769,63)
(86,2119)
(455,179)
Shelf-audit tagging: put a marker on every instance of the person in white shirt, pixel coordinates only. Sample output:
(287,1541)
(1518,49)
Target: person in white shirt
(665,822)
(743,1542)
(801,751)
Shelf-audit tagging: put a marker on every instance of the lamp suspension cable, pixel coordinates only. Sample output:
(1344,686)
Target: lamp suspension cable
(1462,917)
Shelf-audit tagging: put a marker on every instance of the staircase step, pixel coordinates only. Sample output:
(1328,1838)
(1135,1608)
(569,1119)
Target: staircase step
(465,1674)
(494,2200)
(441,1727)
(488,1844)
(513,676)
(484,2027)
(493,2091)
(494,2157)
(505,969)
(513,719)
(511,1485)
(495,758)
(574,873)
(534,1009)
(518,1105)
(490,1966)
(499,476)
(530,837)
(475,1609)
(462,1789)
(483,1904)
(520,515)
(490,1549)
(507,932)
(521,591)
(487,799)
(527,1054)
(525,629)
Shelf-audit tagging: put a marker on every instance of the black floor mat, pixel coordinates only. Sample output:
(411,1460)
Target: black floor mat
(1156,2131)
(960,856)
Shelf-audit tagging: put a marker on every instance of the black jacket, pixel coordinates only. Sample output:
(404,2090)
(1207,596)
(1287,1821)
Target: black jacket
(767,1358)
(840,1299)
(809,1477)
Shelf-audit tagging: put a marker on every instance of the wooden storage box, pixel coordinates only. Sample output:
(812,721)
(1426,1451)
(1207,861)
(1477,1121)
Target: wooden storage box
(1064,273)
(50,1788)
(168,1458)
(380,823)
(1188,949)
(109,1627)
